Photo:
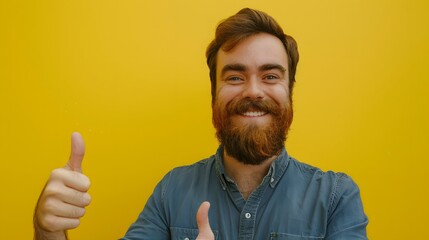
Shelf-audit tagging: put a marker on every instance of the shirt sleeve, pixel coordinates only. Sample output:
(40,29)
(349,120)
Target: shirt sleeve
(347,219)
(152,222)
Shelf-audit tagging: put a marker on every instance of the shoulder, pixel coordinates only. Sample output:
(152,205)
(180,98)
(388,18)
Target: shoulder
(340,196)
(315,173)
(336,184)
(339,186)
(195,168)
(189,173)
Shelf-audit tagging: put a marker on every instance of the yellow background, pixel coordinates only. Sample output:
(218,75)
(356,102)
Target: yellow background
(131,77)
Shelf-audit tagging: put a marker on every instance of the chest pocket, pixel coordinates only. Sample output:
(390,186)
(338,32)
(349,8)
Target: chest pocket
(285,236)
(187,233)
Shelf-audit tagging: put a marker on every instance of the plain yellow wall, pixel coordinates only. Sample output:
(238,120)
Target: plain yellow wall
(131,77)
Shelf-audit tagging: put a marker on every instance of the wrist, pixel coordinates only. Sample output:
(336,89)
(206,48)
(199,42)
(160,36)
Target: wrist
(42,234)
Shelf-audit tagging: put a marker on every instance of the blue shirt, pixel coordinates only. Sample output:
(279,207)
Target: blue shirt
(294,201)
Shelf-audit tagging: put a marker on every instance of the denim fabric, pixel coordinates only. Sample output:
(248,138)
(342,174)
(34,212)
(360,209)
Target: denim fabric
(294,201)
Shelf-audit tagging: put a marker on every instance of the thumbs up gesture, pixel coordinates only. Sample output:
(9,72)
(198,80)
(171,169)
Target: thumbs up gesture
(63,200)
(204,229)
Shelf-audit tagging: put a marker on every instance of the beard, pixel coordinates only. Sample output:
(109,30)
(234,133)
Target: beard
(252,143)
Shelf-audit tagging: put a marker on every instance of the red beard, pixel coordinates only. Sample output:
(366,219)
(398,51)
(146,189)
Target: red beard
(250,143)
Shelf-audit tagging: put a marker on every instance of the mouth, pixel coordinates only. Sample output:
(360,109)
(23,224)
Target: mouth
(254,114)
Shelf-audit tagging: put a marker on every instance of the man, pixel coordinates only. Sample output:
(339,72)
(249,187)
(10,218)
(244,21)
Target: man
(255,189)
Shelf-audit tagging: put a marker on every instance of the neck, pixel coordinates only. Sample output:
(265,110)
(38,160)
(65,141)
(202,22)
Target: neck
(247,177)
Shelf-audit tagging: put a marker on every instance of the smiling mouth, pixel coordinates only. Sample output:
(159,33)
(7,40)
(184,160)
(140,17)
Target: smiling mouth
(253,114)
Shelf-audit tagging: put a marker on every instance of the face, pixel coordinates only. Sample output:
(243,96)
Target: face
(252,110)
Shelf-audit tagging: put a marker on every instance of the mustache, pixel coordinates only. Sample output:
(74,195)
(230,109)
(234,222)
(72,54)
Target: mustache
(245,104)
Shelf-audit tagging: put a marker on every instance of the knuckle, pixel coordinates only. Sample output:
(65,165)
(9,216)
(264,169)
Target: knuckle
(81,199)
(72,223)
(49,206)
(79,212)
(57,173)
(83,181)
(86,199)
(49,223)
(52,190)
(86,182)
(77,196)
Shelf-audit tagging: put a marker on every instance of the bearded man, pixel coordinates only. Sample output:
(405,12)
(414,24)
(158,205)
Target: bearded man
(255,189)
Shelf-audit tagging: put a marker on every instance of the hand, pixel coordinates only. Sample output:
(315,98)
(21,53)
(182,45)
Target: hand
(205,231)
(63,200)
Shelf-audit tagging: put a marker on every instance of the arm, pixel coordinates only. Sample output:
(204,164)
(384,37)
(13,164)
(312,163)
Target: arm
(63,200)
(153,222)
(347,219)
(205,231)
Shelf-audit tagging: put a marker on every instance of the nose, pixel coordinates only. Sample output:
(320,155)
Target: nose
(253,89)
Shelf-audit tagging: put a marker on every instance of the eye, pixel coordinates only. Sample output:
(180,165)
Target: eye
(234,80)
(271,77)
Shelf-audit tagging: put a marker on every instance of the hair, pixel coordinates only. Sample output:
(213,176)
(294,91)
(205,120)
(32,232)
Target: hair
(245,23)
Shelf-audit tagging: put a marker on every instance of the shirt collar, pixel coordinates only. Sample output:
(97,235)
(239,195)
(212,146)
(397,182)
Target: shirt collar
(278,167)
(276,171)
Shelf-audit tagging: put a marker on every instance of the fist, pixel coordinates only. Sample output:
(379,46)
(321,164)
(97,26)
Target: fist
(63,200)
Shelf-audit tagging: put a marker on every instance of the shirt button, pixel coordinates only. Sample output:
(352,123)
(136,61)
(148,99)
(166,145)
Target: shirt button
(247,215)
(272,180)
(186,238)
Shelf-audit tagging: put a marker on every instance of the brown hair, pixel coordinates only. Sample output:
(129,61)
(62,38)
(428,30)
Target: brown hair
(245,23)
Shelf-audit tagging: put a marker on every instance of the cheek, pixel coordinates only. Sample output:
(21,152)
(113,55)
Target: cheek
(224,94)
(280,94)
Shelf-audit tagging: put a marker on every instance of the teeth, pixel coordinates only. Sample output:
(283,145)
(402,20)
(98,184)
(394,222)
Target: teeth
(253,114)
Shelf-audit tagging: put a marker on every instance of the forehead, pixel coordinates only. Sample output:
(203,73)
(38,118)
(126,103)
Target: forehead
(254,51)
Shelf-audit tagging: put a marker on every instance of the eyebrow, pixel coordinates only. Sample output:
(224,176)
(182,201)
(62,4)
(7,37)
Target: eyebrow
(242,68)
(271,66)
(234,67)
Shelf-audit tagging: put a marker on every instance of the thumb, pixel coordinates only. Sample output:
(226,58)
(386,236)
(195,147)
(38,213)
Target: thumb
(77,152)
(205,231)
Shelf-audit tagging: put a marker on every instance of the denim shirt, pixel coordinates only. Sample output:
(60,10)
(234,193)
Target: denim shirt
(294,201)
